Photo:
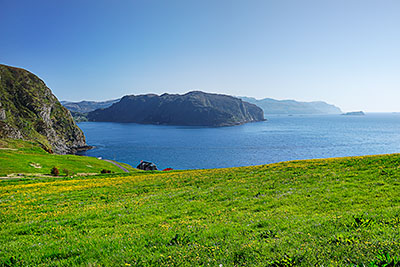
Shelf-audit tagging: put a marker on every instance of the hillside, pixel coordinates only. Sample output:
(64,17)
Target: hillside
(29,111)
(331,212)
(192,109)
(272,106)
(26,158)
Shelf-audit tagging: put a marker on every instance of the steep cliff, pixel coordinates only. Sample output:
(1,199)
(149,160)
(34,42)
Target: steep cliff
(29,111)
(193,109)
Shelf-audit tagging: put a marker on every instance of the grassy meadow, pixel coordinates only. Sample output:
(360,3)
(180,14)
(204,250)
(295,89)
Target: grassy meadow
(22,157)
(331,212)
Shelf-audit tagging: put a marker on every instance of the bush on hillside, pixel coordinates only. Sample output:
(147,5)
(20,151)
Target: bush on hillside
(55,171)
(68,172)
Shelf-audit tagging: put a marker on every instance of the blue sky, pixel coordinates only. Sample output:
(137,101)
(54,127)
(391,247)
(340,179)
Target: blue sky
(343,52)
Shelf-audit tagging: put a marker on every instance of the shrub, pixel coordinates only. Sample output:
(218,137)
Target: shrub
(105,171)
(55,171)
(68,172)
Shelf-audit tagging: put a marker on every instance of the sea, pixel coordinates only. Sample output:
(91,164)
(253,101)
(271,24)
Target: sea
(280,138)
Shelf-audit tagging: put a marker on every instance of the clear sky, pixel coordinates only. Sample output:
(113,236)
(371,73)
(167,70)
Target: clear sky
(345,52)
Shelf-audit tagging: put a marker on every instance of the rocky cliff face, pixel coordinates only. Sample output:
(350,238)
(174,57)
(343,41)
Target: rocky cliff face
(29,111)
(192,109)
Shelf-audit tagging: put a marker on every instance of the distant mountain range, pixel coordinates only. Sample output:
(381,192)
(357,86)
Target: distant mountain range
(192,109)
(87,106)
(272,106)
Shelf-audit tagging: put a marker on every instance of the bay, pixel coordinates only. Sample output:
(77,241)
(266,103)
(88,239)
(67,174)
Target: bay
(281,138)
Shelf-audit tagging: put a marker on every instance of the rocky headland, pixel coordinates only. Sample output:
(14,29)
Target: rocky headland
(29,111)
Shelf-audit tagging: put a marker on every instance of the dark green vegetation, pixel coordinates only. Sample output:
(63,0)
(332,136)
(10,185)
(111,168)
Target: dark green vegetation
(193,108)
(272,106)
(29,111)
(79,117)
(333,212)
(20,157)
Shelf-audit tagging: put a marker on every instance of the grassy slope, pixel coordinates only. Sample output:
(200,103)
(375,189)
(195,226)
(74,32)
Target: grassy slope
(330,212)
(18,156)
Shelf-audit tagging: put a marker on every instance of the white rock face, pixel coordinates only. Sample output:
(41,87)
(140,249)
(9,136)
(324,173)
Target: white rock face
(2,115)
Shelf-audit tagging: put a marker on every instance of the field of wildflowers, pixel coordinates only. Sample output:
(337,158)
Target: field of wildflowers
(330,212)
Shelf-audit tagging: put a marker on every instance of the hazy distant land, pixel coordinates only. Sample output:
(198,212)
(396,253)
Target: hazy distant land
(273,106)
(354,113)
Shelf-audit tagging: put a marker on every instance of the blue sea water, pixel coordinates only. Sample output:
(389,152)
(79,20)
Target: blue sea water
(281,138)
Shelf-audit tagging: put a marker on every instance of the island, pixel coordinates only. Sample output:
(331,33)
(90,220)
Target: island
(194,108)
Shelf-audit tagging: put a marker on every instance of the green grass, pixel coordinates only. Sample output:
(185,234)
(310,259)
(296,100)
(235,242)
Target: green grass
(18,156)
(332,212)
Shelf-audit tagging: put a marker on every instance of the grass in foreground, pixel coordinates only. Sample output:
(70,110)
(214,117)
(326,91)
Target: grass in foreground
(318,212)
(18,156)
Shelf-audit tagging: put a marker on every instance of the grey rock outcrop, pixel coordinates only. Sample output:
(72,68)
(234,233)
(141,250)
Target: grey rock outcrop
(3,116)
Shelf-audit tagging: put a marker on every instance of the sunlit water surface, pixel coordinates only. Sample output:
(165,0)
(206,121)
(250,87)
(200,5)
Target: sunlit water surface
(281,138)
